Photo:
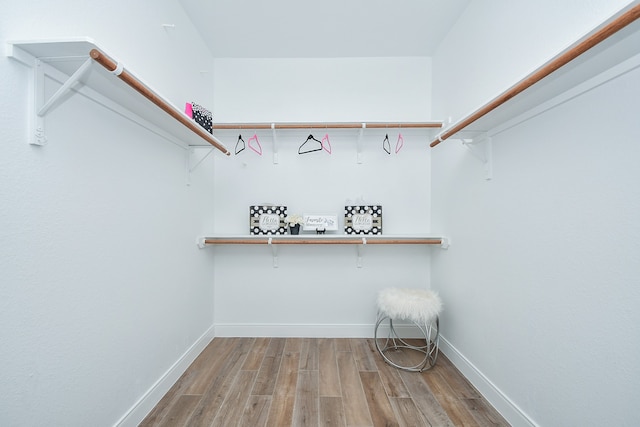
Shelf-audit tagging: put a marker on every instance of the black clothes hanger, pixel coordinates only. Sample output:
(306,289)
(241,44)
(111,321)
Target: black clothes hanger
(312,147)
(242,147)
(386,145)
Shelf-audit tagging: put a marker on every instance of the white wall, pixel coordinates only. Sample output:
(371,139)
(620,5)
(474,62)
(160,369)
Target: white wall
(540,282)
(102,286)
(319,291)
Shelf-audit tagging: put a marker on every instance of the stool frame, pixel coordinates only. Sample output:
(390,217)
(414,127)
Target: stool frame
(394,342)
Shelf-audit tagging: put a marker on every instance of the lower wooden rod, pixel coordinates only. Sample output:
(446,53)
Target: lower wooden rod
(303,241)
(108,63)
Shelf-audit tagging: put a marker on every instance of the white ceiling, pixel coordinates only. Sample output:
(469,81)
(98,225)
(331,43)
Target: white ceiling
(323,28)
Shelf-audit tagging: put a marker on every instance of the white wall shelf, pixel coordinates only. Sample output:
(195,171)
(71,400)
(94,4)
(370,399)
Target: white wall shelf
(324,239)
(82,67)
(608,51)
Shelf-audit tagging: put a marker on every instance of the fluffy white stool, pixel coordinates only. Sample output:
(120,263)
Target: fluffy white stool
(419,307)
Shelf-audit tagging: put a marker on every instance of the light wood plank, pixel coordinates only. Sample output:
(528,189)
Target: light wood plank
(309,355)
(331,413)
(256,411)
(457,411)
(426,403)
(365,354)
(305,412)
(254,359)
(353,398)
(391,380)
(328,368)
(208,367)
(379,406)
(268,373)
(180,411)
(214,397)
(407,413)
(342,344)
(234,404)
(483,413)
(287,379)
(281,412)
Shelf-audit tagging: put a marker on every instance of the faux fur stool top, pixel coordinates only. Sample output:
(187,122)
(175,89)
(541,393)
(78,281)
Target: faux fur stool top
(416,305)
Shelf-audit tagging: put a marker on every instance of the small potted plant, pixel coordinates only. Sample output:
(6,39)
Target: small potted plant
(294,222)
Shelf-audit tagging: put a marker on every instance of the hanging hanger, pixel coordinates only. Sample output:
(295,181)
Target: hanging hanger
(326,144)
(258,150)
(399,143)
(385,144)
(241,147)
(312,147)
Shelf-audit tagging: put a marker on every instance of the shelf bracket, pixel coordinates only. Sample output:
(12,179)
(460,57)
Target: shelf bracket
(41,107)
(274,252)
(188,162)
(359,143)
(360,250)
(275,144)
(482,148)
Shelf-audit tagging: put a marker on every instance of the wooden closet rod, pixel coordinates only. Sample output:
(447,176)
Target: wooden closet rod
(311,241)
(559,61)
(108,63)
(377,125)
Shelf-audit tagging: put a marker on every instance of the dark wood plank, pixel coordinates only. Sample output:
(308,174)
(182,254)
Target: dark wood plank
(457,411)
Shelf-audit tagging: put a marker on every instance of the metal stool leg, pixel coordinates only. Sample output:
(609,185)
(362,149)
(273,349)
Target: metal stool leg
(392,347)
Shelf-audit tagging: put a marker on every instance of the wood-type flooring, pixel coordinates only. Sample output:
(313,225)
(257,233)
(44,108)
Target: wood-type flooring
(316,382)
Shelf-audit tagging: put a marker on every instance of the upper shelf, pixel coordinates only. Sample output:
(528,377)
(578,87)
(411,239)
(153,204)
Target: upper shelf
(615,41)
(108,82)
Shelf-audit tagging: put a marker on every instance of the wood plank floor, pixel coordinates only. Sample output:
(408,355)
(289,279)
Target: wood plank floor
(316,382)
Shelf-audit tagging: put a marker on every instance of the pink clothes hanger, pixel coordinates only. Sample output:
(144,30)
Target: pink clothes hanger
(399,143)
(326,144)
(258,150)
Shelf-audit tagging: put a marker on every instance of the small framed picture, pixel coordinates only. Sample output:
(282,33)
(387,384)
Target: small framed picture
(266,219)
(320,222)
(363,219)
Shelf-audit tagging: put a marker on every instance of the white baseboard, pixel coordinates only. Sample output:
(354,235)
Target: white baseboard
(509,410)
(308,330)
(150,399)
(292,330)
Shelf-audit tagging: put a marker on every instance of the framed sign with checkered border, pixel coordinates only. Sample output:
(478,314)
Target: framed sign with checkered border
(267,219)
(363,219)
